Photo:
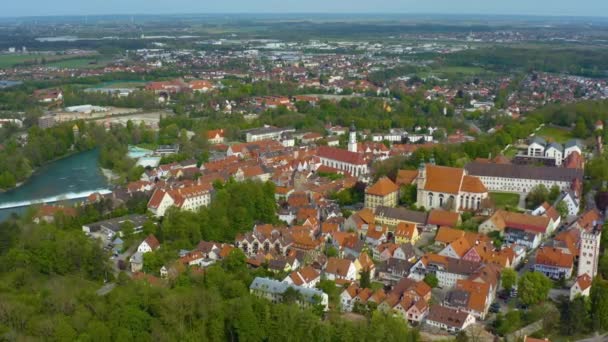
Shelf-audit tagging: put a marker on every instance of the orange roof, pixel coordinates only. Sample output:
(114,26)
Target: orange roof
(152,241)
(366,262)
(443,218)
(503,219)
(376,232)
(473,184)
(406,177)
(447,235)
(589,218)
(366,215)
(382,187)
(215,133)
(554,257)
(584,281)
(405,230)
(478,293)
(461,246)
(443,179)
(338,266)
(304,275)
(327,227)
(571,239)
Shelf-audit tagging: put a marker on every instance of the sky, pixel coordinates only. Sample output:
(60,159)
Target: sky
(597,8)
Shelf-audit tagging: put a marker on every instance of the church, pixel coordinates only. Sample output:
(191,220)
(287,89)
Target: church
(449,188)
(350,161)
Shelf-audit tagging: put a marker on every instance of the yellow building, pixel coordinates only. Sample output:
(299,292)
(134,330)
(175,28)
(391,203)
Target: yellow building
(406,232)
(383,193)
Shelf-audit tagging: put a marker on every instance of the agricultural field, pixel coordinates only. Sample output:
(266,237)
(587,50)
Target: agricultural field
(8,61)
(60,61)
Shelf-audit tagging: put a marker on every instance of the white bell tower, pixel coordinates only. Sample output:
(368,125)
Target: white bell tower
(352,138)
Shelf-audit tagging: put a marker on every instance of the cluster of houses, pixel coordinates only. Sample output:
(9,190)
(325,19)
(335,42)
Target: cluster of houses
(380,240)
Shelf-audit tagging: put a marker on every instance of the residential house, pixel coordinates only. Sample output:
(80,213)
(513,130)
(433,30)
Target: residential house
(149,244)
(340,270)
(581,287)
(406,233)
(554,263)
(452,320)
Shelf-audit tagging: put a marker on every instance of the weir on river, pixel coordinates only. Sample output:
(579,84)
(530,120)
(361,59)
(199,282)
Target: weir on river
(66,179)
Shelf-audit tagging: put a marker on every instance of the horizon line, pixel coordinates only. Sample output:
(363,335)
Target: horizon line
(553,16)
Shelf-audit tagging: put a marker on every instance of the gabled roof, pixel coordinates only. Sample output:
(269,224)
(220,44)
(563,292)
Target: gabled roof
(506,219)
(554,257)
(584,281)
(450,317)
(338,266)
(341,155)
(405,177)
(152,241)
(447,235)
(473,184)
(405,230)
(402,214)
(443,218)
(382,187)
(443,179)
(304,276)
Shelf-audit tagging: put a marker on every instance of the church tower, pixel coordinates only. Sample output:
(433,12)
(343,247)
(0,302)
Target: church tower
(352,139)
(590,251)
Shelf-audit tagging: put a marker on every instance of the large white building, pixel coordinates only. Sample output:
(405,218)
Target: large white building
(441,187)
(539,148)
(188,198)
(347,161)
(273,291)
(523,178)
(266,133)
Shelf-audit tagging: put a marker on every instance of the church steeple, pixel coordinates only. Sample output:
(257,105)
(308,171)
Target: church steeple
(352,139)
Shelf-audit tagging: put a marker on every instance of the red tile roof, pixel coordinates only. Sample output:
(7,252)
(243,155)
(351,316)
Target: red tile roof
(340,155)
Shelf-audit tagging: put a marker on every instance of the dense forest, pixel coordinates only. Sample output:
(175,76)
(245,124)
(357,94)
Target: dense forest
(584,61)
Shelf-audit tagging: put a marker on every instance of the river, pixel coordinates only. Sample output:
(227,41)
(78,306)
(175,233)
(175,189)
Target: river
(65,179)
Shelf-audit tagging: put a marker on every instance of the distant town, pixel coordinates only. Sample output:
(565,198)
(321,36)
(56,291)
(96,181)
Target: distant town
(378,182)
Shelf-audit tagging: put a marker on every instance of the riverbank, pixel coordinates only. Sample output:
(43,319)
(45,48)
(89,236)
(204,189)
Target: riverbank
(110,176)
(33,172)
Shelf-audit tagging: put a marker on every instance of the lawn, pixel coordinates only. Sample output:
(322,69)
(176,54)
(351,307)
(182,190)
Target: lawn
(502,199)
(560,135)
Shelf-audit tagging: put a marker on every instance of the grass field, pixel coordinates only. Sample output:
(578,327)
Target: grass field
(557,134)
(78,63)
(8,61)
(502,200)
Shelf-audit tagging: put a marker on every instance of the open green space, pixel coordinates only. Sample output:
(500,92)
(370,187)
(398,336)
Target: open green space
(77,63)
(503,199)
(60,61)
(7,61)
(557,134)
